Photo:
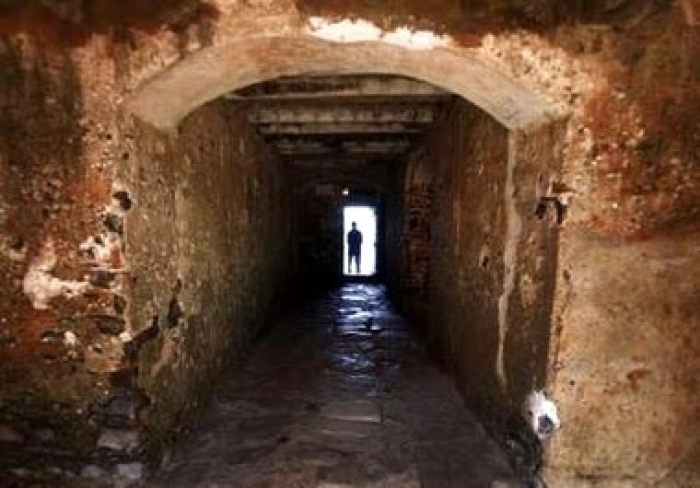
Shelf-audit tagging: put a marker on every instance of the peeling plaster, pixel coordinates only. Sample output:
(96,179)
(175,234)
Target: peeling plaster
(14,253)
(121,201)
(101,249)
(546,68)
(70,339)
(510,257)
(361,30)
(41,286)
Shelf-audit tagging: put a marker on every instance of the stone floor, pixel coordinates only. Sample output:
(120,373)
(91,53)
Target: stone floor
(340,394)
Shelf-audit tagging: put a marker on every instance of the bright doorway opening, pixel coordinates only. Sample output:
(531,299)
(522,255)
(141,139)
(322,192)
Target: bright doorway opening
(365,220)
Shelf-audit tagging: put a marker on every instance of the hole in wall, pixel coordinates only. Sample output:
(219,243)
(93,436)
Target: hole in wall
(114,223)
(119,303)
(485,257)
(175,313)
(102,278)
(124,200)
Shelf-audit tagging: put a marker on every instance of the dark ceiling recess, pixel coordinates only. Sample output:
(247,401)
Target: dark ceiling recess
(342,119)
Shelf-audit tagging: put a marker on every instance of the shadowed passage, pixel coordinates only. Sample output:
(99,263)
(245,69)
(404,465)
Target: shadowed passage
(339,394)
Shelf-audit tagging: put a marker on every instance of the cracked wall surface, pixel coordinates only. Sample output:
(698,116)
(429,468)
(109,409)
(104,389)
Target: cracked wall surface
(53,294)
(626,73)
(492,259)
(210,247)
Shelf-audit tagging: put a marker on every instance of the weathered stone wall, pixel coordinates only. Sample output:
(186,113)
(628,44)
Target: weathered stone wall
(55,293)
(394,221)
(492,259)
(627,72)
(209,239)
(621,305)
(624,356)
(626,374)
(629,172)
(468,239)
(81,351)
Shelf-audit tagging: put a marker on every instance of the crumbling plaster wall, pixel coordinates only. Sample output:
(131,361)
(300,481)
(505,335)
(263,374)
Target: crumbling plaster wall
(627,72)
(626,373)
(492,258)
(209,241)
(630,168)
(629,179)
(57,293)
(81,354)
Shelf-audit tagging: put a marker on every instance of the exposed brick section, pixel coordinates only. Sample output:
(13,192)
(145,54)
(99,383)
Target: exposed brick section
(51,199)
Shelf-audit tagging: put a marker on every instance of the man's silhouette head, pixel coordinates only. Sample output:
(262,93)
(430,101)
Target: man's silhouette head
(354,225)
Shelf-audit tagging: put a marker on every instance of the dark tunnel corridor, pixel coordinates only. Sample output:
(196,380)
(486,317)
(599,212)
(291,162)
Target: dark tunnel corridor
(302,244)
(311,147)
(255,189)
(339,393)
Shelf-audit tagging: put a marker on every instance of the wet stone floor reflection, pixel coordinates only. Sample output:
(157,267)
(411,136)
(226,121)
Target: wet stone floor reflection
(341,394)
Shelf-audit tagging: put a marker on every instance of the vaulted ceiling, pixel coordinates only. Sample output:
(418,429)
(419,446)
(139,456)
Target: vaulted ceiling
(340,120)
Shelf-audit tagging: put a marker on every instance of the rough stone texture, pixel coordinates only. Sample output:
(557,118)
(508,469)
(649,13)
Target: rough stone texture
(492,259)
(626,361)
(631,149)
(210,247)
(52,191)
(692,11)
(626,72)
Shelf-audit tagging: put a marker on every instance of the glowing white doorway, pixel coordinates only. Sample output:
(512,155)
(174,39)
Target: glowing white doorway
(365,219)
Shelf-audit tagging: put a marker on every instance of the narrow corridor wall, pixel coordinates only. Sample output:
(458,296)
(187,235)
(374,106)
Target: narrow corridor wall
(628,75)
(625,357)
(210,244)
(492,258)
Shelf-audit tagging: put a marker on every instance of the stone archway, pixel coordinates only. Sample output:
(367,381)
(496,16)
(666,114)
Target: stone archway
(524,124)
(167,99)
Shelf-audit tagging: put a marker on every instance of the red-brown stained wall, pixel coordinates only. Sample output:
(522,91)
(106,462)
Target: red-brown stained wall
(631,161)
(50,195)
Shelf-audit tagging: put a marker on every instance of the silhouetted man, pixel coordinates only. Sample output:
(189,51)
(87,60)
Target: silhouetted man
(354,246)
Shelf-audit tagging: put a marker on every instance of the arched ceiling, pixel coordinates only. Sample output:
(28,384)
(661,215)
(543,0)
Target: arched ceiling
(219,70)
